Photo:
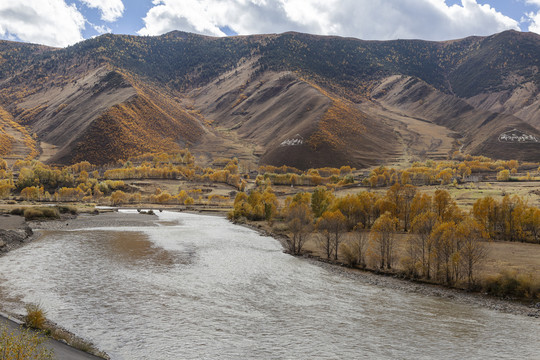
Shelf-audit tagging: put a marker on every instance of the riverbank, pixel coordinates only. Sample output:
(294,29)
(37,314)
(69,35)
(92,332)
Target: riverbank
(15,232)
(394,281)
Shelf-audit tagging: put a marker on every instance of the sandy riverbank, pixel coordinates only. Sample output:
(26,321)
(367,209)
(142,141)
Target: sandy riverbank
(14,232)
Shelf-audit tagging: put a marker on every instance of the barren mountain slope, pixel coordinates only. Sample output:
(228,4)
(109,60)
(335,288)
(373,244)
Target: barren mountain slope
(98,114)
(291,121)
(295,99)
(522,102)
(479,130)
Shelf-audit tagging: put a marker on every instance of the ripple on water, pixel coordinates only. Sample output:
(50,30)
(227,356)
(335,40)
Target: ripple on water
(199,287)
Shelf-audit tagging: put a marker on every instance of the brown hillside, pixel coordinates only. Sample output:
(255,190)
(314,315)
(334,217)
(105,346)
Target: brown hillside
(479,129)
(522,102)
(147,122)
(291,121)
(294,99)
(102,115)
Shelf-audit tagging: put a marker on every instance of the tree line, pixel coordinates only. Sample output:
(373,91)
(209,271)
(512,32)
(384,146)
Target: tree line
(443,243)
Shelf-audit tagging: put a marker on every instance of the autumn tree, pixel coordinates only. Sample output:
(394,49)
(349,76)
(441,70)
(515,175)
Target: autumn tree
(531,223)
(255,206)
(446,247)
(118,197)
(270,203)
(487,211)
(471,235)
(300,222)
(359,243)
(332,224)
(421,246)
(401,199)
(369,211)
(503,175)
(512,211)
(421,203)
(32,193)
(350,207)
(5,188)
(445,207)
(321,199)
(382,233)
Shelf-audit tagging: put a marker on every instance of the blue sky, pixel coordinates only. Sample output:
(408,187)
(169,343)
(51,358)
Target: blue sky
(64,22)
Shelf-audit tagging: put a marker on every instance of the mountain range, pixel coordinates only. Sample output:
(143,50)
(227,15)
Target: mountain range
(281,99)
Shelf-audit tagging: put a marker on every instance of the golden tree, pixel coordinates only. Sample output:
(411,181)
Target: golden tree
(332,224)
(471,234)
(382,234)
(300,222)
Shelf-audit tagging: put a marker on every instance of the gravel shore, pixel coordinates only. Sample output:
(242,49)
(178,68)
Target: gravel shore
(106,219)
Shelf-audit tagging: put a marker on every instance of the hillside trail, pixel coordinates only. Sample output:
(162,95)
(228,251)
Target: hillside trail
(20,149)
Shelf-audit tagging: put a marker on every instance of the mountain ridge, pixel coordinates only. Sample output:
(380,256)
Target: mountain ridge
(163,94)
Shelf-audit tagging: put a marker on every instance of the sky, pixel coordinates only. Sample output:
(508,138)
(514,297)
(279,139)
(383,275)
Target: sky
(62,23)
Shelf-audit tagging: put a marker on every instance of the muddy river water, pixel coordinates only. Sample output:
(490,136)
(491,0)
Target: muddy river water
(199,287)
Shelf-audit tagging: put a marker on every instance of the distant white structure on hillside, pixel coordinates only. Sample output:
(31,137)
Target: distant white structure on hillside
(295,141)
(517,136)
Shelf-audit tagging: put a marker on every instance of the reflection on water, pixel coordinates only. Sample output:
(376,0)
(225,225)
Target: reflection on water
(199,287)
(133,248)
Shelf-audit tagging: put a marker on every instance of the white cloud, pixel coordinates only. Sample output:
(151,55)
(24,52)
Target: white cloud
(101,29)
(49,22)
(366,19)
(533,18)
(534,21)
(111,10)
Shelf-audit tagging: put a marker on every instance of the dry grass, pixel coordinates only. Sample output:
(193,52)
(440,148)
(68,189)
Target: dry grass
(521,257)
(41,213)
(35,316)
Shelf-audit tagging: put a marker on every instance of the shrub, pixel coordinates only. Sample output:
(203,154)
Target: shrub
(514,285)
(41,213)
(348,255)
(64,209)
(35,316)
(23,344)
(17,211)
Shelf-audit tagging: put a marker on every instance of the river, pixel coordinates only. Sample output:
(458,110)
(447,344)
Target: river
(199,287)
